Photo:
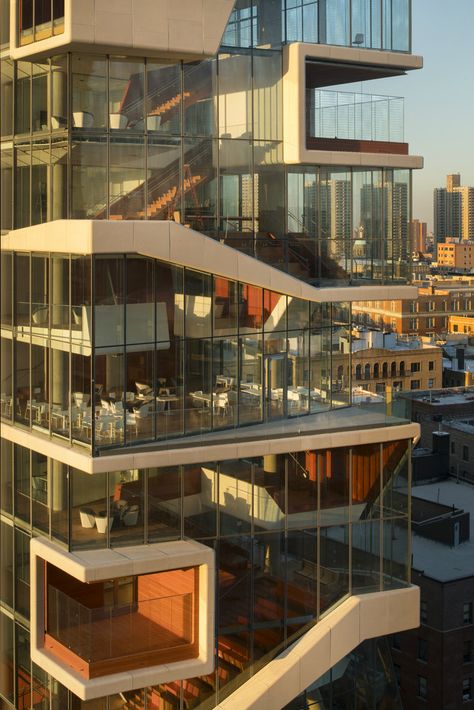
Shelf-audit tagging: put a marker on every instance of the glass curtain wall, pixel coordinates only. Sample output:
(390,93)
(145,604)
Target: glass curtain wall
(369,24)
(199,143)
(294,533)
(349,225)
(164,351)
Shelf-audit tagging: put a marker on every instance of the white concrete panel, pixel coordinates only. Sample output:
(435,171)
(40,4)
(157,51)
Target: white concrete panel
(321,647)
(95,565)
(184,29)
(294,437)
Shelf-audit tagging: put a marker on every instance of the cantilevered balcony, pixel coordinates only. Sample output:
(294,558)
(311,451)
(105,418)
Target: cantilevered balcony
(344,121)
(143,623)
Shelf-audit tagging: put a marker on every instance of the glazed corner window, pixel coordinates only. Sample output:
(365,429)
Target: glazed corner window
(39,19)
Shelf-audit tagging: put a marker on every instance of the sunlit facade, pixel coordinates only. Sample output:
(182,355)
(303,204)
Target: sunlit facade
(188,496)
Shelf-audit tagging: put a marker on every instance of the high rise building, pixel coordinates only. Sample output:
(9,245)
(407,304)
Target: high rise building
(193,514)
(418,235)
(453,210)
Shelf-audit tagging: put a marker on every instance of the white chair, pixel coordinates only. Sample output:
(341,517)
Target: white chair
(130,517)
(58,122)
(142,389)
(118,121)
(101,522)
(153,123)
(221,403)
(40,316)
(82,119)
(87,517)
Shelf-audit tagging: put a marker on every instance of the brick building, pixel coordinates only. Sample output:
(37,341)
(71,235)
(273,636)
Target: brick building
(435,663)
(380,360)
(427,315)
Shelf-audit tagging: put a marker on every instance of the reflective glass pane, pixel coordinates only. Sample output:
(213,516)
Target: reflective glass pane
(89,180)
(39,491)
(127,512)
(235,496)
(59,497)
(22,574)
(89,92)
(250,376)
(109,311)
(334,565)
(164,196)
(6,478)
(126,94)
(200,500)
(333,467)
(163,98)
(366,556)
(164,502)
(200,90)
(88,495)
(6,565)
(126,178)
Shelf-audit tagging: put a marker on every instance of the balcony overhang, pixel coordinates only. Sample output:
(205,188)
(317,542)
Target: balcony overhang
(173,243)
(174,30)
(351,426)
(311,66)
(95,566)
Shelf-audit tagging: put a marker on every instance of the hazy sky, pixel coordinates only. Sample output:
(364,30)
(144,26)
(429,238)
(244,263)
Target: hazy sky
(439,99)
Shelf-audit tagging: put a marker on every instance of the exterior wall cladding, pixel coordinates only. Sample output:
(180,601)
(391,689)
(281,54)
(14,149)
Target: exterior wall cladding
(211,522)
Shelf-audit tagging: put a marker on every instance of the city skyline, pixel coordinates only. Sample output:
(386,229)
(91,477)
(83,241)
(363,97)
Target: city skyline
(441,91)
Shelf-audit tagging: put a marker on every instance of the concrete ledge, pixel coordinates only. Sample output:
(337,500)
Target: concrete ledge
(260,440)
(176,244)
(182,29)
(355,620)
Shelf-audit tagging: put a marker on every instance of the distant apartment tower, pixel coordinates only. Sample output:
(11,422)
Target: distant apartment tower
(453,210)
(418,235)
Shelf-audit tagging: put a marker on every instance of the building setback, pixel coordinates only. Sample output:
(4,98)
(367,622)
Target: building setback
(193,513)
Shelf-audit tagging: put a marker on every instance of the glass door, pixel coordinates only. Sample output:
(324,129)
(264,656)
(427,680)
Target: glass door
(276,369)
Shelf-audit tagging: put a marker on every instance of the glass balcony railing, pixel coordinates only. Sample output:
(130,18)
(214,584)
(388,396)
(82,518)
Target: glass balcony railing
(354,116)
(111,632)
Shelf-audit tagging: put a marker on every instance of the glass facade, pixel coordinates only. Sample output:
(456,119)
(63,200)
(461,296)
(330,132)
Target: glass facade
(163,352)
(369,24)
(366,677)
(201,143)
(119,350)
(293,533)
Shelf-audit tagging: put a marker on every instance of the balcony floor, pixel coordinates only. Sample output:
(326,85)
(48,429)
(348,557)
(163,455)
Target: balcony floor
(116,643)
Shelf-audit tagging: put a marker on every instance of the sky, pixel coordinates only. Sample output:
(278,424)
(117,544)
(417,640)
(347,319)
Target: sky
(439,99)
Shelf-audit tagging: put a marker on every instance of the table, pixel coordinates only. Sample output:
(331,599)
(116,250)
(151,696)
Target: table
(167,399)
